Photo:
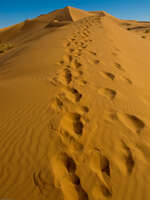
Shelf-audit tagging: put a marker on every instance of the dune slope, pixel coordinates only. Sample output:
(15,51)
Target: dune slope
(75,110)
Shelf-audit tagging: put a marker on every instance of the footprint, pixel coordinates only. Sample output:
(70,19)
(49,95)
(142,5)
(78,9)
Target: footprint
(68,75)
(80,72)
(71,50)
(64,168)
(84,46)
(65,76)
(107,92)
(62,164)
(67,59)
(68,44)
(78,51)
(72,94)
(105,191)
(85,109)
(129,159)
(100,191)
(96,62)
(119,66)
(100,165)
(57,104)
(77,64)
(93,53)
(108,75)
(54,81)
(84,82)
(82,195)
(77,124)
(132,122)
(85,34)
(68,162)
(62,62)
(126,80)
(73,39)
(72,124)
(70,141)
(105,166)
(44,180)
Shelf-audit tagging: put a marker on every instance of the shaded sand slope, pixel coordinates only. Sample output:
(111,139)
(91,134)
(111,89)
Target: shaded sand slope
(132,56)
(141,28)
(75,114)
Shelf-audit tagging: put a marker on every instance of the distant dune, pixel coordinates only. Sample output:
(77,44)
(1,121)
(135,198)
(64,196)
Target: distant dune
(75,108)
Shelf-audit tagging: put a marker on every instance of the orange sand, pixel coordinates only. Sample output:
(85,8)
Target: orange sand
(75,109)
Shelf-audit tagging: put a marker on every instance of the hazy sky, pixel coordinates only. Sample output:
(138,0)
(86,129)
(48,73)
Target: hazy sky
(14,11)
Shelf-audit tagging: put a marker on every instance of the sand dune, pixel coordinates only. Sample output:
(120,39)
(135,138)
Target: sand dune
(141,28)
(75,108)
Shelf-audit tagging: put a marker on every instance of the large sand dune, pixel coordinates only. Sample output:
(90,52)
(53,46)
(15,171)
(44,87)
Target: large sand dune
(75,109)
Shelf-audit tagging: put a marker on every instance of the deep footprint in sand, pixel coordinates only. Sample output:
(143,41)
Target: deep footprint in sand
(44,180)
(85,109)
(77,64)
(96,62)
(125,79)
(72,94)
(108,93)
(64,168)
(57,103)
(67,59)
(72,123)
(128,80)
(70,141)
(65,77)
(65,163)
(129,161)
(100,165)
(132,122)
(77,124)
(93,53)
(108,75)
(119,66)
(100,191)
(68,75)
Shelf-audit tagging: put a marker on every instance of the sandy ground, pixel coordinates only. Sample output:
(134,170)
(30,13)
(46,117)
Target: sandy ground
(141,28)
(75,109)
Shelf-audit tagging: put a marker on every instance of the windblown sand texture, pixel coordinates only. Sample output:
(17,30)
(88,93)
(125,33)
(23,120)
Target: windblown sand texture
(75,109)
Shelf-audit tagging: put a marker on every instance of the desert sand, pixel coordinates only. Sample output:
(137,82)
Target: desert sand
(75,108)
